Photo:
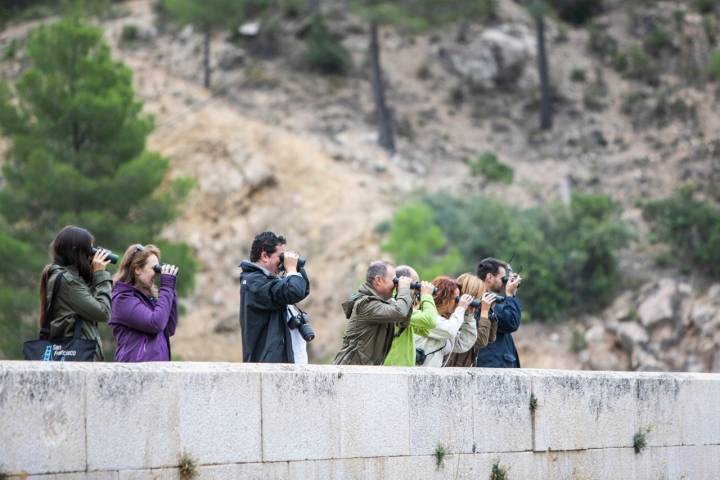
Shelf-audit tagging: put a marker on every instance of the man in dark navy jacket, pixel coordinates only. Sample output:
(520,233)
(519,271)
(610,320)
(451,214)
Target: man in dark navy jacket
(264,300)
(502,352)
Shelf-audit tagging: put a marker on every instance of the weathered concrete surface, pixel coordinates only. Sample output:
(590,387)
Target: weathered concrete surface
(132,422)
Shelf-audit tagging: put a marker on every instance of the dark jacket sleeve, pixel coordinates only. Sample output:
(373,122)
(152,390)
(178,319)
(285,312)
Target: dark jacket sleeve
(508,315)
(134,313)
(277,293)
(172,321)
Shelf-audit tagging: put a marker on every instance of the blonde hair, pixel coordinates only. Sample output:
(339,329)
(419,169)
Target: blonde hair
(135,256)
(470,284)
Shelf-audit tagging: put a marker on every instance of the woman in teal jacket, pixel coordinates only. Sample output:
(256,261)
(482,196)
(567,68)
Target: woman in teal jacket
(85,289)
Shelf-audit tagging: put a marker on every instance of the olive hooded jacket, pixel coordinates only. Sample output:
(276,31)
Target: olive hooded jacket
(371,325)
(77,300)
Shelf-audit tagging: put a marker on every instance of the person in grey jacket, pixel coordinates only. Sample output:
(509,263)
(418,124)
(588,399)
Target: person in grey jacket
(264,300)
(84,293)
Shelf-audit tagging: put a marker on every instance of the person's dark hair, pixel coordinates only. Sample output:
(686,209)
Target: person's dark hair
(376,269)
(72,247)
(489,265)
(265,242)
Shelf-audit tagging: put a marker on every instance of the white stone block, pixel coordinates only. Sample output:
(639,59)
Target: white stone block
(42,418)
(698,409)
(373,409)
(441,411)
(501,411)
(111,475)
(658,408)
(607,463)
(421,467)
(220,415)
(688,462)
(339,469)
(133,417)
(301,415)
(150,474)
(579,410)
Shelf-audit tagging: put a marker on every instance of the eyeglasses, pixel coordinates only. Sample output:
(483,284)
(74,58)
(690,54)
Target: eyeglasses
(138,248)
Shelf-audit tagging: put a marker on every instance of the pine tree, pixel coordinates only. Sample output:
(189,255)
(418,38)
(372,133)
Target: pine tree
(77,156)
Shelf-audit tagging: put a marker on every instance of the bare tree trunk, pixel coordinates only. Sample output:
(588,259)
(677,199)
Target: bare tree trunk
(206,57)
(545,100)
(384,122)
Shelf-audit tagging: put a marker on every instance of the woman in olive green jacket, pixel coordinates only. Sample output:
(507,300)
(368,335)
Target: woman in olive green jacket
(85,289)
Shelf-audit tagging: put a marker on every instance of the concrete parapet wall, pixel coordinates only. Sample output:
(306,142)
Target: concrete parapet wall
(121,421)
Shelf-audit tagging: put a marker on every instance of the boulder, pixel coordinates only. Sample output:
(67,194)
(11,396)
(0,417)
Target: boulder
(631,334)
(658,307)
(230,57)
(498,57)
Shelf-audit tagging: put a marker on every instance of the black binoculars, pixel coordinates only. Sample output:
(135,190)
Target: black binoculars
(478,301)
(300,262)
(413,285)
(110,256)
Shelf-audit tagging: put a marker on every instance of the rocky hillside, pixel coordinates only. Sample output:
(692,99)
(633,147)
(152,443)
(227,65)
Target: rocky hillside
(273,146)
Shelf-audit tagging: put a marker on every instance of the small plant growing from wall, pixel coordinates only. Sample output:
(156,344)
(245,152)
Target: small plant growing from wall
(498,472)
(640,440)
(440,452)
(188,467)
(533,403)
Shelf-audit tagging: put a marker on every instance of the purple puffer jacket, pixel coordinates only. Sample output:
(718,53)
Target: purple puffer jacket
(142,326)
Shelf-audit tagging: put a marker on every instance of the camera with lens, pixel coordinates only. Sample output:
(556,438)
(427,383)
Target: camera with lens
(110,256)
(300,262)
(300,321)
(157,268)
(413,285)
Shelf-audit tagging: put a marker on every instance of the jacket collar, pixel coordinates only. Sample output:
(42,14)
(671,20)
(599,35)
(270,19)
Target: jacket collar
(248,266)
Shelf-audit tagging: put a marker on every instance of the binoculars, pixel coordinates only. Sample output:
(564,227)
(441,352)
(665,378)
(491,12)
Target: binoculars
(477,302)
(110,256)
(300,262)
(413,285)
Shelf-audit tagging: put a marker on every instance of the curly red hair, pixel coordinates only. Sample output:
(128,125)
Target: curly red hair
(445,291)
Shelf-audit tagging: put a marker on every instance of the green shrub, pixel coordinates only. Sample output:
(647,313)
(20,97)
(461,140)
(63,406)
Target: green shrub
(578,75)
(415,239)
(658,40)
(567,255)
(577,12)
(641,66)
(714,66)
(324,52)
(129,34)
(601,43)
(706,6)
(690,226)
(491,168)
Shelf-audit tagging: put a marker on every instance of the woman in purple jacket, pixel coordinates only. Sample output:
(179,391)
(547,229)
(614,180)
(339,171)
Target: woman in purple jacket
(143,318)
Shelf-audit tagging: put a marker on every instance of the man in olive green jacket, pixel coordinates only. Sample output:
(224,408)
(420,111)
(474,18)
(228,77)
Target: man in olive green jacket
(373,315)
(78,300)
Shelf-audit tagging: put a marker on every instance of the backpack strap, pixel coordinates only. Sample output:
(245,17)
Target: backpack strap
(45,329)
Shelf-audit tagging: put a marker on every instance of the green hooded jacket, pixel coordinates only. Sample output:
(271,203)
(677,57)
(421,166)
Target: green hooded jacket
(424,319)
(76,299)
(371,325)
